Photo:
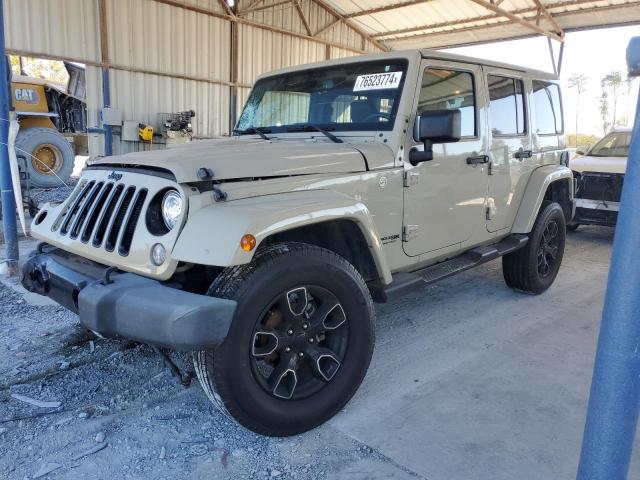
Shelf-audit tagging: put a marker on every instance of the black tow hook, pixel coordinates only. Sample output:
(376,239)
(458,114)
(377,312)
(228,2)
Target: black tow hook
(39,279)
(106,278)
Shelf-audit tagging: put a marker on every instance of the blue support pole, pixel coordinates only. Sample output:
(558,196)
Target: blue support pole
(615,389)
(106,102)
(9,223)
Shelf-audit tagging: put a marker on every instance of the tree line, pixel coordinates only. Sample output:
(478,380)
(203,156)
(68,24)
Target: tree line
(613,87)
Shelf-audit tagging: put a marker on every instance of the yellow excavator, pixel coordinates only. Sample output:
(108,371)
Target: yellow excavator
(53,126)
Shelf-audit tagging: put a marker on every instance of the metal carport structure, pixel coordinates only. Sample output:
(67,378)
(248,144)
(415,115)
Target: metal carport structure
(214,51)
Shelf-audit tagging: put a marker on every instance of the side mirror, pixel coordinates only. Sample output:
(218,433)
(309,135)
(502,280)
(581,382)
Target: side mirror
(434,126)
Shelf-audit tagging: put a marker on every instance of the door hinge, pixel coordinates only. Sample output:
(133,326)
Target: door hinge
(411,179)
(409,232)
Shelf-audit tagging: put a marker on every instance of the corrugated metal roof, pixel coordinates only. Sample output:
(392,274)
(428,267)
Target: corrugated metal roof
(438,23)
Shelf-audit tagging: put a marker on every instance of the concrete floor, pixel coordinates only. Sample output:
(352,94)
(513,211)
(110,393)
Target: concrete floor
(473,381)
(469,380)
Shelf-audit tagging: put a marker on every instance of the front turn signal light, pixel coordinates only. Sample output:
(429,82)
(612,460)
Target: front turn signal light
(248,242)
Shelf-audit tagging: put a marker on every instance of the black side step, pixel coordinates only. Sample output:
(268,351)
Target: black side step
(404,281)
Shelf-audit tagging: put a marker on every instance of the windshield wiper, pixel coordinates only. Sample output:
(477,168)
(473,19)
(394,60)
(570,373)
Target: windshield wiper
(310,127)
(258,131)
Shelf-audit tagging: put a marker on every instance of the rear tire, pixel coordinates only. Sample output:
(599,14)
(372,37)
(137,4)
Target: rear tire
(291,359)
(533,269)
(52,152)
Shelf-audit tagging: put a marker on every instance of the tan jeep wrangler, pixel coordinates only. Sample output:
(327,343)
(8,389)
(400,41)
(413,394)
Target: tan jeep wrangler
(346,182)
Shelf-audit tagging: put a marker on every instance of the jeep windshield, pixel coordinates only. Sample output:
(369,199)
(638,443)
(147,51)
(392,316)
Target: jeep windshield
(615,144)
(349,97)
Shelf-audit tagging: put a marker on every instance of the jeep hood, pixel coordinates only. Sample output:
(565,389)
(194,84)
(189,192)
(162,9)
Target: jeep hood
(245,158)
(587,163)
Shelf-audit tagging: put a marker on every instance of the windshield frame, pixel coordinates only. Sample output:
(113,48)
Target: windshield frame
(336,127)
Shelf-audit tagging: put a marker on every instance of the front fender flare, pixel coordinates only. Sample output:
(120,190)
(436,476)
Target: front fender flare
(537,186)
(211,235)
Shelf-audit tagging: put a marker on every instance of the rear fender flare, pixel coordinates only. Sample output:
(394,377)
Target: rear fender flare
(535,191)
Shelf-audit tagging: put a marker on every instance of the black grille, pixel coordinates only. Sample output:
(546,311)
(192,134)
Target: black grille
(95,213)
(132,221)
(107,213)
(76,206)
(604,187)
(121,211)
(100,211)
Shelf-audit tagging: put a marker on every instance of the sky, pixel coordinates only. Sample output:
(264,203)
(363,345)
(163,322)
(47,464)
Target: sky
(592,52)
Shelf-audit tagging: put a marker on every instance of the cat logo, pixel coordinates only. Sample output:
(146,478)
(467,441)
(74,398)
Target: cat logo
(26,95)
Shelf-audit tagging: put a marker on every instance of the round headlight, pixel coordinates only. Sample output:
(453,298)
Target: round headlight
(158,254)
(171,208)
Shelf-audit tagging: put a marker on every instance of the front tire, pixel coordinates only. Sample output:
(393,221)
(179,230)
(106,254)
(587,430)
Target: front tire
(300,342)
(533,269)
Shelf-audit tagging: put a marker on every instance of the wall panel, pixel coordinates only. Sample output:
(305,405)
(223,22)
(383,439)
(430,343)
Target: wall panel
(145,96)
(67,28)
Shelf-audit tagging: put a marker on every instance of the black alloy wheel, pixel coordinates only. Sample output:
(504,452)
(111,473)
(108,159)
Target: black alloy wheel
(548,250)
(299,343)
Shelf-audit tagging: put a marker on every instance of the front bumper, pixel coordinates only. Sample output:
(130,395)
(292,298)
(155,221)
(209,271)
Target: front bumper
(597,197)
(593,212)
(128,305)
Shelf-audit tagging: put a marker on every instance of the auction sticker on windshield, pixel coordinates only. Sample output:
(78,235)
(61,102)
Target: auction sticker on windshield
(377,81)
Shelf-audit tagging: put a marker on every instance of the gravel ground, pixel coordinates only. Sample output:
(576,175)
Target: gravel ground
(123,415)
(44,195)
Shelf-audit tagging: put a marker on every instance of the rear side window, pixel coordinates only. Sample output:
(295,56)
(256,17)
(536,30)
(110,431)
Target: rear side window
(506,105)
(548,111)
(447,90)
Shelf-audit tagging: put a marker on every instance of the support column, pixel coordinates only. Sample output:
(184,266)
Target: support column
(615,389)
(233,97)
(9,224)
(106,86)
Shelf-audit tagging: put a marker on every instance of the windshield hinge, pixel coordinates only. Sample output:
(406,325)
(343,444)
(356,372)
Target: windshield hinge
(409,232)
(411,179)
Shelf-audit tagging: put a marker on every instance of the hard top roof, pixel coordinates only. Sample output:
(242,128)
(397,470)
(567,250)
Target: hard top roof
(416,54)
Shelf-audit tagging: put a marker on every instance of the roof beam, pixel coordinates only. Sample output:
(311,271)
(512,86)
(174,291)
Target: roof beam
(322,4)
(259,7)
(386,8)
(225,6)
(328,26)
(252,23)
(303,19)
(465,21)
(254,3)
(549,17)
(428,34)
(517,19)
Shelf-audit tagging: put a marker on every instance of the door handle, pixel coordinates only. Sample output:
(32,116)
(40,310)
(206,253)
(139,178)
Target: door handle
(520,154)
(478,159)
